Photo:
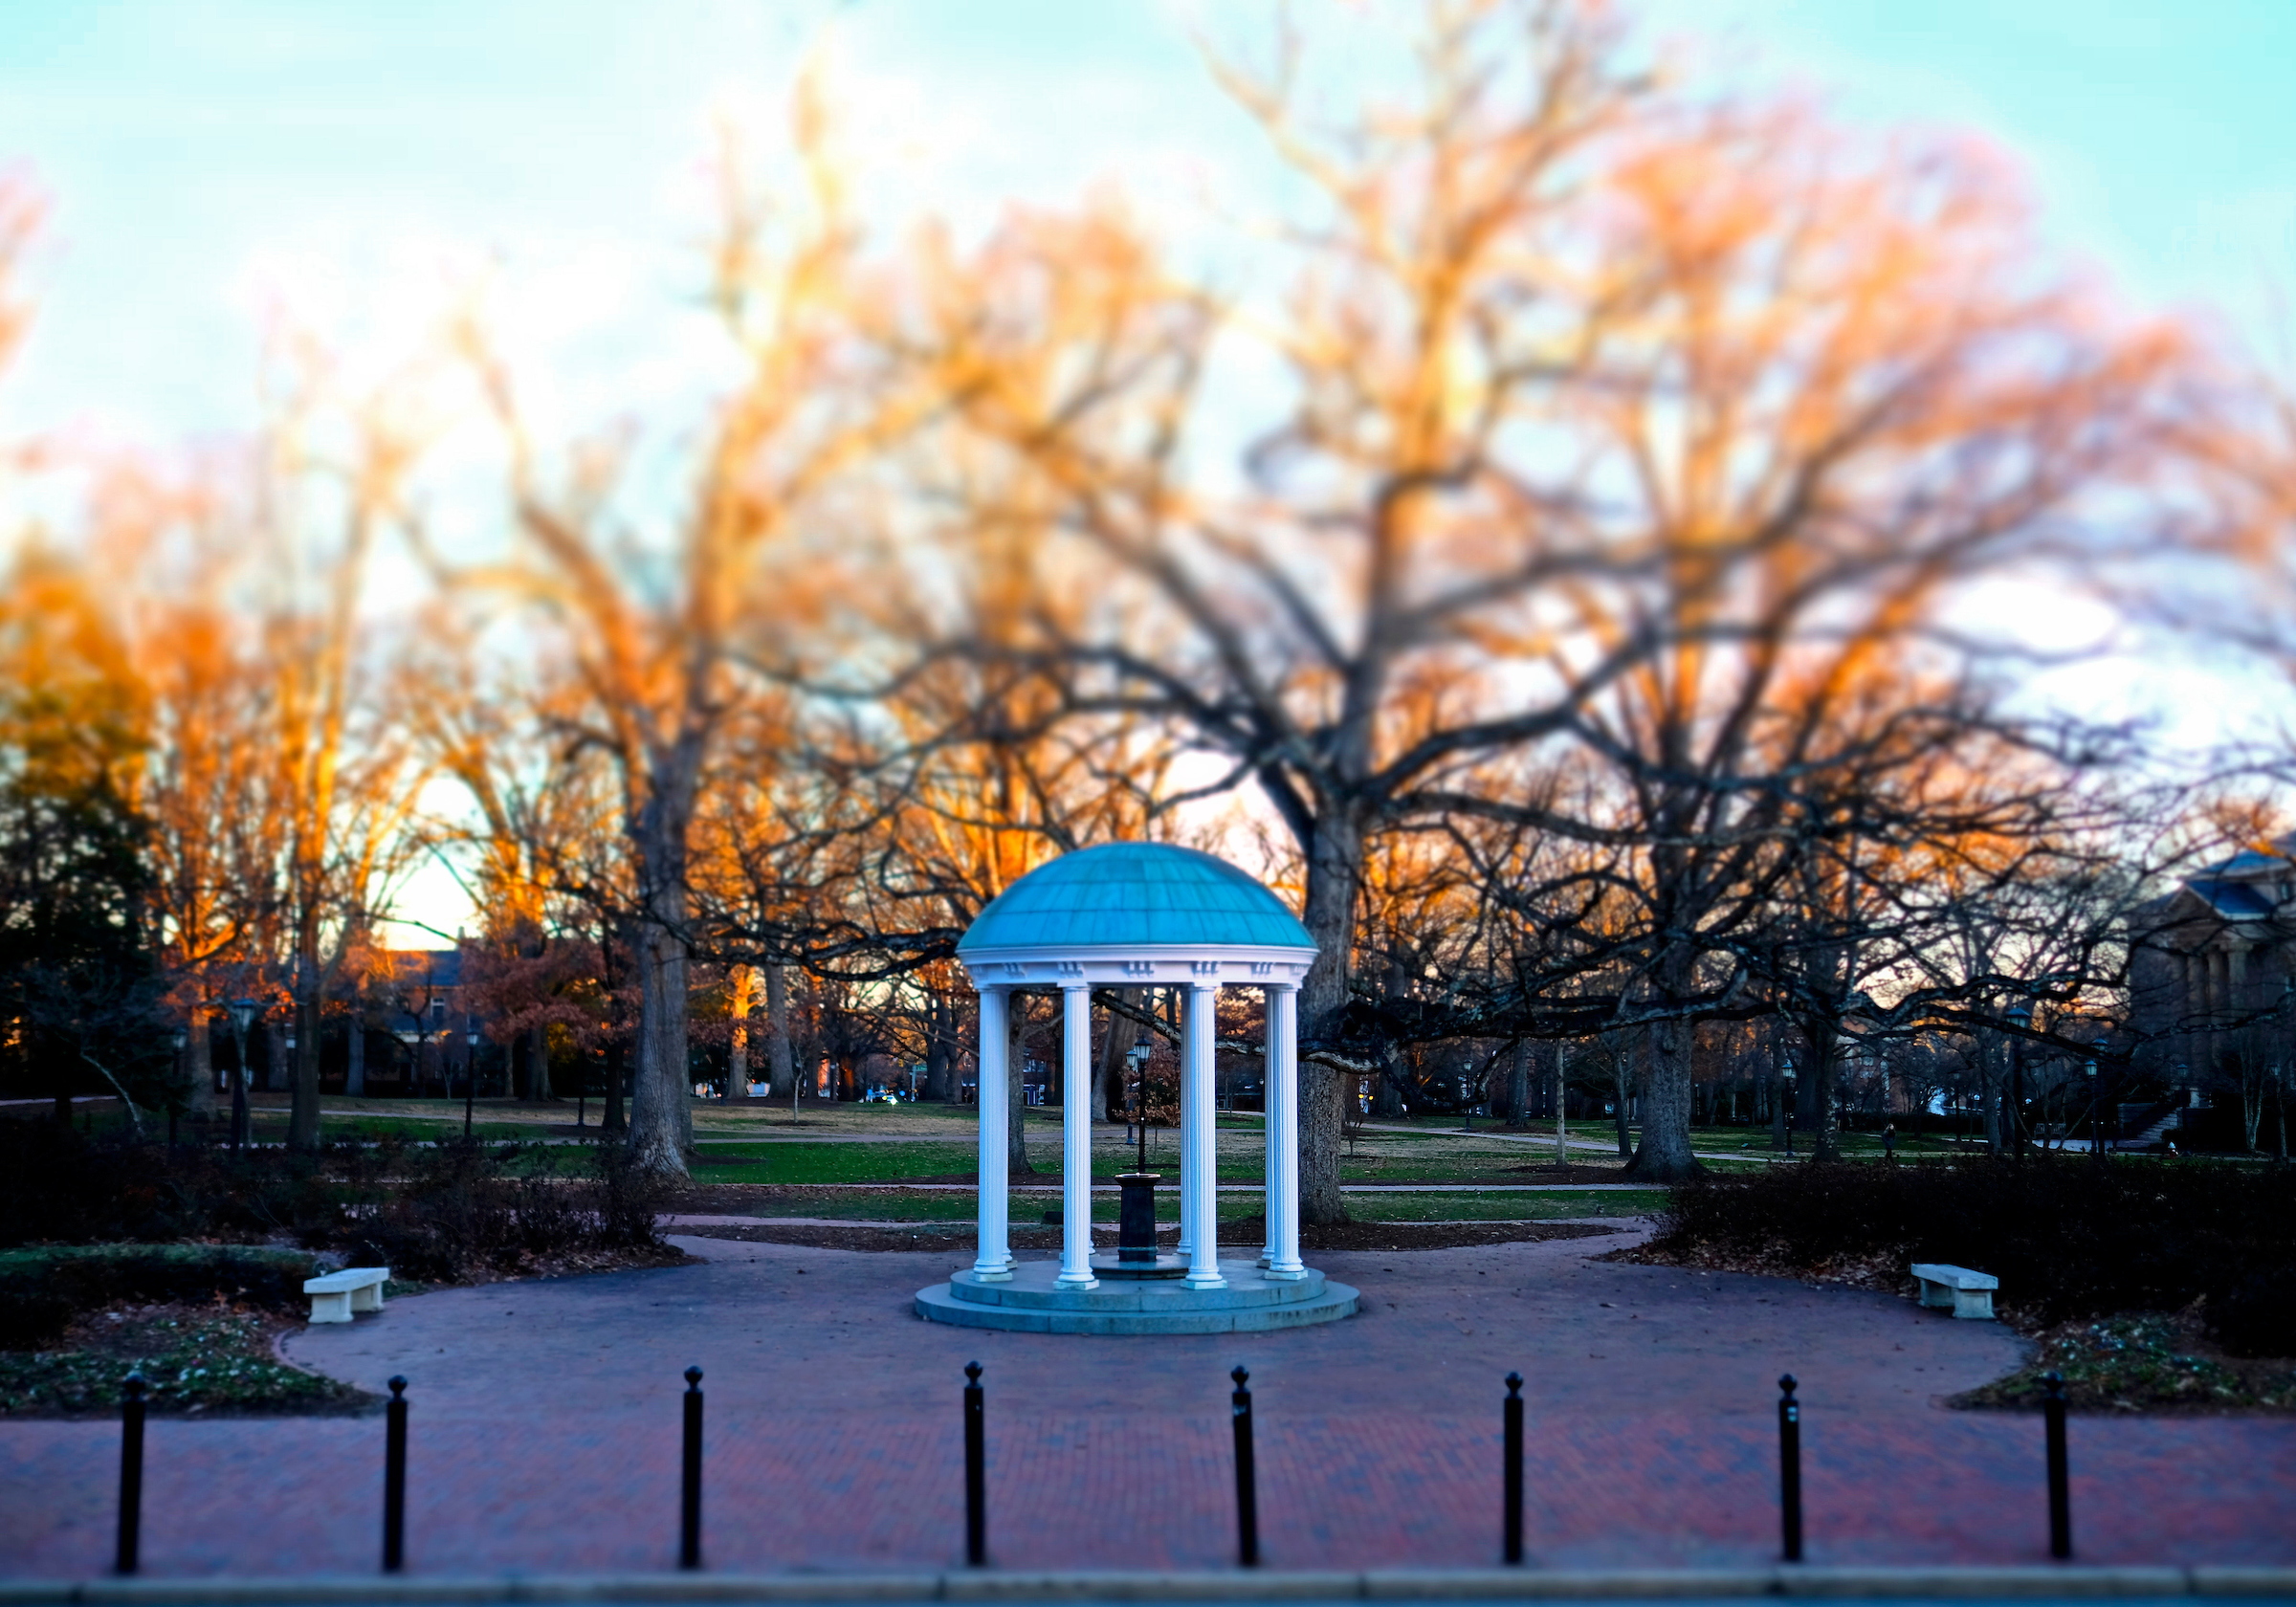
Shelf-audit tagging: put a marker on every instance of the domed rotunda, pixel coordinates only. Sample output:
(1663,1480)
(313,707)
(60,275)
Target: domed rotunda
(1139,916)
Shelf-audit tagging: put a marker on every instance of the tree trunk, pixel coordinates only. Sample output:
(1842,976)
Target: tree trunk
(780,1067)
(736,1050)
(354,1083)
(1664,1155)
(612,1120)
(538,1064)
(199,1060)
(1335,864)
(941,1048)
(1108,1081)
(1825,1137)
(660,1104)
(303,1119)
(1016,1107)
(1518,1086)
(1562,1106)
(1618,1086)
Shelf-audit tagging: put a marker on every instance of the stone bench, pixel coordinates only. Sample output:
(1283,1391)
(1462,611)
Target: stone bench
(1969,1294)
(334,1296)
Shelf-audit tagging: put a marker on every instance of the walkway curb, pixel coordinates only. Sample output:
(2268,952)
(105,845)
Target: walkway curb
(1525,1584)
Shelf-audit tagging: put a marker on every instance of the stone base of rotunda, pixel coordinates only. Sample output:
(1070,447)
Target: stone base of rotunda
(1030,1303)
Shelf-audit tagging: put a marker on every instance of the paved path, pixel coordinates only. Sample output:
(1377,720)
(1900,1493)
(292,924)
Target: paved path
(1053,1187)
(545,1432)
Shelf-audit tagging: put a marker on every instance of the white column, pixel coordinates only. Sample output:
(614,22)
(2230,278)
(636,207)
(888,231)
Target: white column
(1283,1134)
(1187,1193)
(994,1262)
(1272,1147)
(1076,1136)
(1200,1171)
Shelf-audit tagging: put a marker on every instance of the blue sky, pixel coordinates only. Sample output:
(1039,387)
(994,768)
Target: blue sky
(359,167)
(356,163)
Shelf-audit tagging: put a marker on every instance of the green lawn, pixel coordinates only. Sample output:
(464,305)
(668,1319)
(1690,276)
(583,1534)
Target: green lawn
(799,1162)
(1504,1208)
(1027,1210)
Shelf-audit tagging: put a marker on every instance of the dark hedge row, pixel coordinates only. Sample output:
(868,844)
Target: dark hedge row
(41,1291)
(2068,1238)
(429,1212)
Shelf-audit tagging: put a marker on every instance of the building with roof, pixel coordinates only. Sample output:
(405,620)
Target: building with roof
(2213,968)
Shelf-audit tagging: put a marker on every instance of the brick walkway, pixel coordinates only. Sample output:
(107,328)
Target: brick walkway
(545,1430)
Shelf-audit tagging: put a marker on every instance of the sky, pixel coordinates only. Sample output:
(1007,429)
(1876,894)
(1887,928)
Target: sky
(213,164)
(215,167)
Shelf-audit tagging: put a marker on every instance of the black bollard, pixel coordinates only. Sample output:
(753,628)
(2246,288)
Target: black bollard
(689,1511)
(131,1471)
(1511,1414)
(1248,1502)
(2061,1504)
(1789,1465)
(394,1477)
(975,1470)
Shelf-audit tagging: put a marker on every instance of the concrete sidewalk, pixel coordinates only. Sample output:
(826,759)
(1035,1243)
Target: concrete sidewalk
(2059,1582)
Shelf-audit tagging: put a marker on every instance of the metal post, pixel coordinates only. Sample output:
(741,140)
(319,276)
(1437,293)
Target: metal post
(2060,1513)
(1512,1415)
(975,1470)
(131,1471)
(689,1512)
(394,1477)
(1248,1506)
(2020,1015)
(1789,1465)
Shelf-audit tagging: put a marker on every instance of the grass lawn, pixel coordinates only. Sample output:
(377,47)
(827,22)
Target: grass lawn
(1028,1210)
(798,1163)
(1504,1208)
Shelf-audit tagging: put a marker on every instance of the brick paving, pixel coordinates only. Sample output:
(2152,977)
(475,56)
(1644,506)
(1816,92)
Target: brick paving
(545,1428)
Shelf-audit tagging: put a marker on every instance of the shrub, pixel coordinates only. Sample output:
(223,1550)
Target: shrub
(41,1290)
(2067,1238)
(434,1212)
(467,1204)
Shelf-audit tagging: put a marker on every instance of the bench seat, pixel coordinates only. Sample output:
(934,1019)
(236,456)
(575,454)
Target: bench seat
(1968,1293)
(336,1295)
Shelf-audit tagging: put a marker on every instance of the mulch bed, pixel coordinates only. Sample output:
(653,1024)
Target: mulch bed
(2152,1363)
(1247,1231)
(213,1359)
(571,1263)
(1884,1272)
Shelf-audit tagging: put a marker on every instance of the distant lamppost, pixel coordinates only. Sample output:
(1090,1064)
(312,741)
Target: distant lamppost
(174,1103)
(243,1017)
(1139,1054)
(470,1074)
(1790,1107)
(2021,1017)
(2096,1126)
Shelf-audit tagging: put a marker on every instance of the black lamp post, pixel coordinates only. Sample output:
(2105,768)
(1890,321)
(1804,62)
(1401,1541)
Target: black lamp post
(2096,1125)
(243,1016)
(1138,1055)
(470,1075)
(2020,1015)
(1135,1208)
(175,1103)
(1792,1111)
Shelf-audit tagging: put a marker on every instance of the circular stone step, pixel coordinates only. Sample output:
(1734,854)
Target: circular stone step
(1031,1303)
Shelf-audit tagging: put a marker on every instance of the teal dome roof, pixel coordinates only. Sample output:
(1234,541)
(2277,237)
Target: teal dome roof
(1134,894)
